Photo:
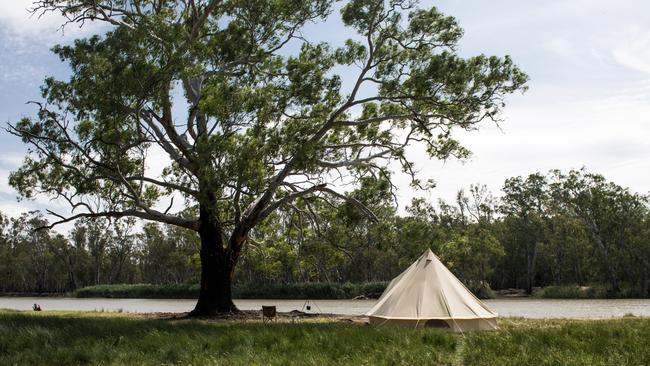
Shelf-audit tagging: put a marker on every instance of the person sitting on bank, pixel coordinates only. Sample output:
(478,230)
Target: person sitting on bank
(36,307)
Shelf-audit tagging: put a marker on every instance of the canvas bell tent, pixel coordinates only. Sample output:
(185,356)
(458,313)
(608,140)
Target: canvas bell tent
(427,294)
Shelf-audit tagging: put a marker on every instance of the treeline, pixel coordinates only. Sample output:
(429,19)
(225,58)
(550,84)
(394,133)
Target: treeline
(95,252)
(558,229)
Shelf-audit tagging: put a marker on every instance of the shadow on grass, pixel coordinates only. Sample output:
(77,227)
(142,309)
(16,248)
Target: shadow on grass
(43,339)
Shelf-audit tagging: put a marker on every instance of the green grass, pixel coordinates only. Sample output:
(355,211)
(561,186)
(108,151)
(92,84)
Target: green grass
(312,290)
(60,338)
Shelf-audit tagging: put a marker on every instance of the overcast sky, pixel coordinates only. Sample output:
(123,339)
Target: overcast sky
(588,102)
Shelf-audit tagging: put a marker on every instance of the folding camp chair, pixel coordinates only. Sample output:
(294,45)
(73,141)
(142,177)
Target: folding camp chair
(269,313)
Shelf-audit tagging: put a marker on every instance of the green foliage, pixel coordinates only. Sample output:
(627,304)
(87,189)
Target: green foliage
(562,231)
(169,255)
(31,261)
(309,290)
(312,290)
(119,339)
(264,106)
(573,292)
(140,291)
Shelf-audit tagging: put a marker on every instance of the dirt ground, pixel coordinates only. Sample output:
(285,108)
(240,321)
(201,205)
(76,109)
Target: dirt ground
(255,316)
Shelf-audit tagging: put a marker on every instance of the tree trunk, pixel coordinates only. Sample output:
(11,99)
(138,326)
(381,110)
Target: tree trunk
(71,275)
(217,263)
(531,256)
(215,295)
(609,267)
(604,249)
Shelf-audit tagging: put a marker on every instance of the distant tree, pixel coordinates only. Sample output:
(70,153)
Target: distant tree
(122,250)
(95,236)
(471,248)
(5,253)
(73,260)
(613,217)
(566,249)
(642,242)
(268,118)
(169,254)
(525,204)
(28,259)
(416,232)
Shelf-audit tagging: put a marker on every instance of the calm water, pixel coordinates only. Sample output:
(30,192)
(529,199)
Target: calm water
(528,308)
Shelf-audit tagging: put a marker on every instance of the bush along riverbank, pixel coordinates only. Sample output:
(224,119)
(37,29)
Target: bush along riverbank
(310,290)
(291,291)
(74,338)
(319,290)
(596,291)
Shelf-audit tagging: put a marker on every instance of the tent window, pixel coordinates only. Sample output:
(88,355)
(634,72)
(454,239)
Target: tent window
(436,323)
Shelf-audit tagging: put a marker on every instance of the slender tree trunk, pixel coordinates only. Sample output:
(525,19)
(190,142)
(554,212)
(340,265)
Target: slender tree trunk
(531,257)
(604,249)
(609,267)
(71,275)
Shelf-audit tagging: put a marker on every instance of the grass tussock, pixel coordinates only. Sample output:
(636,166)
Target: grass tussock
(118,339)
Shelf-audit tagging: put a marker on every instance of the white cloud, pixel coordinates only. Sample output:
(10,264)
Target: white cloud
(4,182)
(635,53)
(14,209)
(606,135)
(17,20)
(561,46)
(9,161)
(12,159)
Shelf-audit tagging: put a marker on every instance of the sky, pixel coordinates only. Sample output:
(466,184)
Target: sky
(588,103)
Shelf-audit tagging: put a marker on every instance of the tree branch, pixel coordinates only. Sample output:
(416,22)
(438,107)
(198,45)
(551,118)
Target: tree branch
(152,215)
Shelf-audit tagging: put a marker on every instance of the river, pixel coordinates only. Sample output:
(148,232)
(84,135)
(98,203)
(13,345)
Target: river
(520,307)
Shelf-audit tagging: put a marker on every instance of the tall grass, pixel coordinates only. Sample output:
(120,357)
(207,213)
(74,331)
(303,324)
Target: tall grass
(118,339)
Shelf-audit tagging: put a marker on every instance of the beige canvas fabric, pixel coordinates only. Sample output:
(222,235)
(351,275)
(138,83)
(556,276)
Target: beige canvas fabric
(427,294)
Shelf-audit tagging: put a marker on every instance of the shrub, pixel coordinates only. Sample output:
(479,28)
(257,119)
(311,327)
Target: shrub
(308,290)
(314,290)
(573,292)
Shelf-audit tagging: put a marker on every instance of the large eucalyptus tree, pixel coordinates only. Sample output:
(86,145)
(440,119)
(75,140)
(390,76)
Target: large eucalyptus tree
(271,116)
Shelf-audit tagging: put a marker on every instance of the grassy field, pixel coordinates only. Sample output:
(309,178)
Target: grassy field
(67,338)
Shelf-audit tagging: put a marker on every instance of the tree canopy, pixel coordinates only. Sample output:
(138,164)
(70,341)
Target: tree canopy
(272,118)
